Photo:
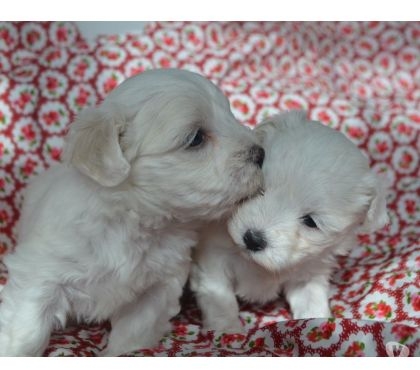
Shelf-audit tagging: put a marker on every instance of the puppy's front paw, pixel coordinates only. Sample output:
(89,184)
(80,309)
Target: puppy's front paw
(225,327)
(312,313)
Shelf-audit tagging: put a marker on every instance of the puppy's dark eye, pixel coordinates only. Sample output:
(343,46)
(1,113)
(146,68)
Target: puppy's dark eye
(197,139)
(308,221)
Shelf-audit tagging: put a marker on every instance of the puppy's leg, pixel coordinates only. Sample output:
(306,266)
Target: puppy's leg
(141,324)
(308,299)
(26,321)
(216,300)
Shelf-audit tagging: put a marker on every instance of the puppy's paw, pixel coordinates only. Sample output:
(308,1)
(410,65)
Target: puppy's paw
(312,313)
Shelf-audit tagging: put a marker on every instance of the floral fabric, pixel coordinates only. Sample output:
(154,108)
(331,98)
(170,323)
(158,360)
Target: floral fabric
(360,78)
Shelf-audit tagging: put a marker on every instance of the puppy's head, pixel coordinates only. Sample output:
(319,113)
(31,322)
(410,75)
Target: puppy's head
(170,137)
(318,191)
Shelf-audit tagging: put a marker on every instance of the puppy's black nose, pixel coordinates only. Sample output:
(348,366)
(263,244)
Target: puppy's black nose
(254,240)
(257,155)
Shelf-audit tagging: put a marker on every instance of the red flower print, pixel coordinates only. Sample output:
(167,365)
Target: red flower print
(168,40)
(2,151)
(381,146)
(393,241)
(2,184)
(242,107)
(2,117)
(214,36)
(403,332)
(378,310)
(82,98)
(327,328)
(406,159)
(364,239)
(5,35)
(230,338)
(355,132)
(29,167)
(110,84)
(53,55)
(263,94)
(410,206)
(394,278)
(28,132)
(181,330)
(61,34)
(55,153)
(259,342)
(3,250)
(4,217)
(51,118)
(52,83)
(415,302)
(217,69)
(404,129)
(192,37)
(81,68)
(165,63)
(111,55)
(137,44)
(136,70)
(33,37)
(355,350)
(338,311)
(24,98)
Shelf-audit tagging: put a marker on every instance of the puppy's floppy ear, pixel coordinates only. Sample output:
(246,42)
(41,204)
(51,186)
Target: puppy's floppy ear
(376,216)
(93,147)
(279,121)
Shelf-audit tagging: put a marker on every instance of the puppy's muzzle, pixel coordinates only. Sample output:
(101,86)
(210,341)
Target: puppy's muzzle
(257,155)
(254,240)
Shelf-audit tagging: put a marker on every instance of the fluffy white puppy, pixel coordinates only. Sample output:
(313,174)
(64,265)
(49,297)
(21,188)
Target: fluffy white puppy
(318,191)
(108,234)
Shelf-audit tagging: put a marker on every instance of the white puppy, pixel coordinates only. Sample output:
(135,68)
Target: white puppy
(318,191)
(108,234)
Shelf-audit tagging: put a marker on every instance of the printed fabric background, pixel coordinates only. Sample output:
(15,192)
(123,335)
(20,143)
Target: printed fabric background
(360,78)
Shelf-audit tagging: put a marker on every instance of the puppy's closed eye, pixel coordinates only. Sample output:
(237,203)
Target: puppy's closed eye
(308,221)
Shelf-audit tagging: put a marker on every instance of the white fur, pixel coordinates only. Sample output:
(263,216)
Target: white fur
(108,234)
(309,169)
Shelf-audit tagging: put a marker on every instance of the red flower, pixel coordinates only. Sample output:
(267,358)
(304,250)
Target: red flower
(136,70)
(404,129)
(381,146)
(327,328)
(263,94)
(355,132)
(51,117)
(3,249)
(110,84)
(378,310)
(111,55)
(168,40)
(259,342)
(2,184)
(403,332)
(364,239)
(415,302)
(55,153)
(395,277)
(4,216)
(53,55)
(181,330)
(61,34)
(406,159)
(193,38)
(241,106)
(139,45)
(410,206)
(28,132)
(229,338)
(217,69)
(81,68)
(33,37)
(24,98)
(82,98)
(52,83)
(355,350)
(5,35)
(1,149)
(291,104)
(165,63)
(29,167)
(338,310)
